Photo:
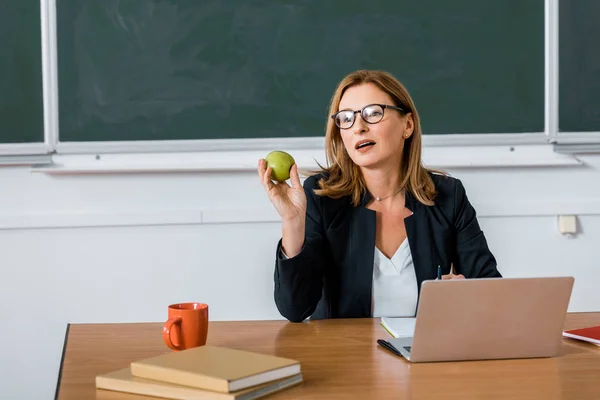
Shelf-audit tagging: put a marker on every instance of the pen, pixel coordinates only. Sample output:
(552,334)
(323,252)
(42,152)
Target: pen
(439,272)
(388,346)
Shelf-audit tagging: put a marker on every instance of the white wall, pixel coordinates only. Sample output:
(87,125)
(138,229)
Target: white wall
(120,248)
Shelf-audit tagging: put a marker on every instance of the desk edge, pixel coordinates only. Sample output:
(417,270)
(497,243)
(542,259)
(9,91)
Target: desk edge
(62,360)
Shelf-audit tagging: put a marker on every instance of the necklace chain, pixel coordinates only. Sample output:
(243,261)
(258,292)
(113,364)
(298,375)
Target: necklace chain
(383,198)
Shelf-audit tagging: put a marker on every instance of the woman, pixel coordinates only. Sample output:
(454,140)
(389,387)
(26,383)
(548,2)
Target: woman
(361,236)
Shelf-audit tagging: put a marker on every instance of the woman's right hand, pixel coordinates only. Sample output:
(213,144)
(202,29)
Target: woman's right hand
(289,201)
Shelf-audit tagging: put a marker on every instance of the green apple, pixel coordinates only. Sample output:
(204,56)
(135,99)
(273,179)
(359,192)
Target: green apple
(280,163)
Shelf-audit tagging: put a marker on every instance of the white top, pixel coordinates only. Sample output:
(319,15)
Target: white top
(394,284)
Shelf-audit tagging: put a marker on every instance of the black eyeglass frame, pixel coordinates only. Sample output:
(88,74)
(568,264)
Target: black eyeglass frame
(354,112)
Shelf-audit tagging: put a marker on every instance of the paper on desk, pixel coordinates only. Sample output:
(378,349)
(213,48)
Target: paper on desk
(399,327)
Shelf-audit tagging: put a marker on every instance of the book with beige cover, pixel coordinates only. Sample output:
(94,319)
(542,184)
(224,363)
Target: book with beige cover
(214,368)
(123,381)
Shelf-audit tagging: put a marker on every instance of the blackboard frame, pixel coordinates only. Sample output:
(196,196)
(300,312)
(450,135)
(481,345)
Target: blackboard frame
(588,141)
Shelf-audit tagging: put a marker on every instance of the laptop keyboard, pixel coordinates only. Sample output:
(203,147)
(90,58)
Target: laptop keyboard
(407,348)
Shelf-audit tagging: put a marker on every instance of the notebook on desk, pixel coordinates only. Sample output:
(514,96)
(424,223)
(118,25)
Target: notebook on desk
(484,319)
(206,372)
(215,368)
(123,381)
(590,334)
(399,327)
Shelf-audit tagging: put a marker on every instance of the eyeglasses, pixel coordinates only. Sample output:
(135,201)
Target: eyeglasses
(372,114)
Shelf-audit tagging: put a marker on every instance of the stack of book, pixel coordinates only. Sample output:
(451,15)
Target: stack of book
(206,372)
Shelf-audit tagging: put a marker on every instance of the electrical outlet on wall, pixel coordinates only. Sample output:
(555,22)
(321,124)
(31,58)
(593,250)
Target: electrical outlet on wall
(567,225)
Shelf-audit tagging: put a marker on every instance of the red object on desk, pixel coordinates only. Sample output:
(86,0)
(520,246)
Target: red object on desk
(591,334)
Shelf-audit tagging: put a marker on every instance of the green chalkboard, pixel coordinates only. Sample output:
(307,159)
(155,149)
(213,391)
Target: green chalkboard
(21,107)
(579,66)
(189,69)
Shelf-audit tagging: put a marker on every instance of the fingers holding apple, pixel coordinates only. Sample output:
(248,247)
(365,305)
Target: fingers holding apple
(295,177)
(264,174)
(274,171)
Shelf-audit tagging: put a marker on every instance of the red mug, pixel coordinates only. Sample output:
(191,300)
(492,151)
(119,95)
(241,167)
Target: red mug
(187,326)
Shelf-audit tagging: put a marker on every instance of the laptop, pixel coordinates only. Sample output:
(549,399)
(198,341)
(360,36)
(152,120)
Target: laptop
(487,319)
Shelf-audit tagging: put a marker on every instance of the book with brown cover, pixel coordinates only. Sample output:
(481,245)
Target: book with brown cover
(123,381)
(218,369)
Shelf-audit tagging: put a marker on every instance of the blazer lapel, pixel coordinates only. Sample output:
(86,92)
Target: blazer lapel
(418,240)
(363,252)
(363,249)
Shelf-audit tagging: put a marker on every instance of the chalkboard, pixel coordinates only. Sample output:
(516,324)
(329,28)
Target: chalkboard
(21,96)
(189,69)
(579,65)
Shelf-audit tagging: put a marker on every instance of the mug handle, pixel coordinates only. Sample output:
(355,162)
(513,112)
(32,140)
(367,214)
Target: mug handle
(167,333)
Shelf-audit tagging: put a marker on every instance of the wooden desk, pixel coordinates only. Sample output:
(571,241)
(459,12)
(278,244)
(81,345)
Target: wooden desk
(340,359)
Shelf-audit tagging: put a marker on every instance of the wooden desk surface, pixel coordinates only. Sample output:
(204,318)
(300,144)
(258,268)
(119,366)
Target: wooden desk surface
(340,359)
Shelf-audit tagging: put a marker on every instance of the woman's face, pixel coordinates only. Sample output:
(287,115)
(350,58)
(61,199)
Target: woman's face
(374,145)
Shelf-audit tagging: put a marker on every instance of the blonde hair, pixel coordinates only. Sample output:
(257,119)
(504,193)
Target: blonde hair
(342,177)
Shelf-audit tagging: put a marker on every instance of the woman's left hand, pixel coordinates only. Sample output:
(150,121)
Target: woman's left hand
(452,276)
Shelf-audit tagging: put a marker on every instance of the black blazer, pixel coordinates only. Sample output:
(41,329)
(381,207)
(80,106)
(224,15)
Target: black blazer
(332,277)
